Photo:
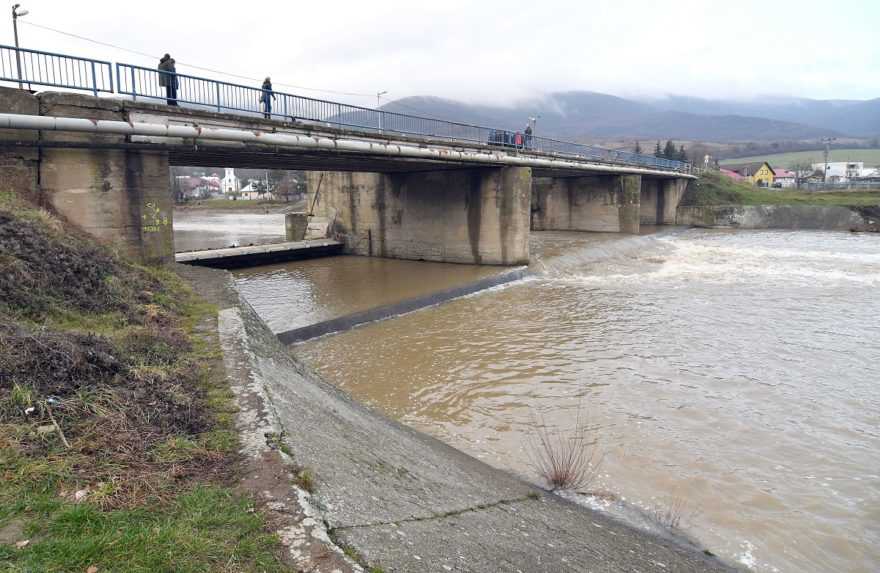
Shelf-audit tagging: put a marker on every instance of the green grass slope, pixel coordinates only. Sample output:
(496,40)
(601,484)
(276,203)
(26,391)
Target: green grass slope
(712,188)
(117,443)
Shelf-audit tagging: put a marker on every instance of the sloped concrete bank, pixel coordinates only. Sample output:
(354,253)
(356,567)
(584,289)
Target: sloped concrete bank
(806,217)
(397,499)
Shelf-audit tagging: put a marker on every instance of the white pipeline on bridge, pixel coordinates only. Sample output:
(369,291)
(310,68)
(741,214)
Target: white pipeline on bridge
(438,153)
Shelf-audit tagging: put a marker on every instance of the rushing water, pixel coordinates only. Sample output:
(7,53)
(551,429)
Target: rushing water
(196,230)
(737,371)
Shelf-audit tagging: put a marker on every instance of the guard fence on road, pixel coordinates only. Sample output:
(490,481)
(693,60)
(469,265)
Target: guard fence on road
(58,70)
(33,67)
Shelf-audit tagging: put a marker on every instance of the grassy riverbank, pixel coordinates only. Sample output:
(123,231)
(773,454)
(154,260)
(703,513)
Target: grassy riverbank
(715,189)
(117,444)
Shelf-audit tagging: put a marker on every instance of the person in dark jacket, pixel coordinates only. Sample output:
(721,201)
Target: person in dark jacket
(168,78)
(267,98)
(528,133)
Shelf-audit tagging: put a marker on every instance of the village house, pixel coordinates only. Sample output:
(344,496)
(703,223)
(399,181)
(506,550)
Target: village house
(784,178)
(842,171)
(732,174)
(758,173)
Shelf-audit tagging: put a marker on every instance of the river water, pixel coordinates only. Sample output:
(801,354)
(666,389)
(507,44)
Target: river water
(200,229)
(733,375)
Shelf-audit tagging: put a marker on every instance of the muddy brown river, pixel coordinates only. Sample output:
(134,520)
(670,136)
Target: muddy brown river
(734,375)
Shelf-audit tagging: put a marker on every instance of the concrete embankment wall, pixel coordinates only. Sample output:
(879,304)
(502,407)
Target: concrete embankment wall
(806,217)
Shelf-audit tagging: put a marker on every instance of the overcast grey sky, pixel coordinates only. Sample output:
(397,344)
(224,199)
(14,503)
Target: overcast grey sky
(491,51)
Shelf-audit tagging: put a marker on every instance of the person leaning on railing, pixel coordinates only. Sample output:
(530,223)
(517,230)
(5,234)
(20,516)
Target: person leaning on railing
(168,78)
(267,98)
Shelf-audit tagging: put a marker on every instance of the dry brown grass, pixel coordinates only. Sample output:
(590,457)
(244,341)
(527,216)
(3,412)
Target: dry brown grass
(565,459)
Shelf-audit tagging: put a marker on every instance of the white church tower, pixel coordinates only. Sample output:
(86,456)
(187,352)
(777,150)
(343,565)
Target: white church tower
(231,183)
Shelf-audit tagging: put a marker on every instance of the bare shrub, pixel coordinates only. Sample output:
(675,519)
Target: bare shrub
(671,514)
(566,460)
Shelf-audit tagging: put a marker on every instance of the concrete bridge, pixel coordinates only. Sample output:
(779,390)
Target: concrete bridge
(104,164)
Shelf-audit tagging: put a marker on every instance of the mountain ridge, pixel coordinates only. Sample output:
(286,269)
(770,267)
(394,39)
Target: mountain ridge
(586,115)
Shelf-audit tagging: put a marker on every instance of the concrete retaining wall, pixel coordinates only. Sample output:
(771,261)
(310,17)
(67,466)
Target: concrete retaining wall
(808,217)
(478,216)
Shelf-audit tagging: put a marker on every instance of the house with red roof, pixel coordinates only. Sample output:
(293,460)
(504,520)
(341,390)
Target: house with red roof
(732,174)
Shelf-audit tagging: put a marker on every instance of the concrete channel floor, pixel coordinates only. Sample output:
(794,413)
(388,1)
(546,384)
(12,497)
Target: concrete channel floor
(406,502)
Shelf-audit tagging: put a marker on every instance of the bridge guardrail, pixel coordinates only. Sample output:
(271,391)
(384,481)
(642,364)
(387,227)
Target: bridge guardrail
(72,72)
(139,81)
(35,67)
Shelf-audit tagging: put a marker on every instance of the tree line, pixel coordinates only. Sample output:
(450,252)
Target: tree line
(668,151)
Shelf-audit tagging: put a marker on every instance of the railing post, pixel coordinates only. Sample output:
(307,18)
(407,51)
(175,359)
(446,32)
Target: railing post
(94,80)
(133,87)
(217,85)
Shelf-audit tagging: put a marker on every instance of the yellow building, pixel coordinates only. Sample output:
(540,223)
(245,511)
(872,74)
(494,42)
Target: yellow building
(760,174)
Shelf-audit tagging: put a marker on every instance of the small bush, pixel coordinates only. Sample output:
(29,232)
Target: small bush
(671,514)
(565,460)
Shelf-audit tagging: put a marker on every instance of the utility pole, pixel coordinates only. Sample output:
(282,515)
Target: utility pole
(15,16)
(827,141)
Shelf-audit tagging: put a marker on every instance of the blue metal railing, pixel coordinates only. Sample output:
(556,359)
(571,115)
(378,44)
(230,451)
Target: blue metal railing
(142,82)
(34,67)
(71,72)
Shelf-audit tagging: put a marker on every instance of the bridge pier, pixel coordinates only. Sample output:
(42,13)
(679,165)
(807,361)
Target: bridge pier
(660,199)
(604,203)
(121,197)
(476,216)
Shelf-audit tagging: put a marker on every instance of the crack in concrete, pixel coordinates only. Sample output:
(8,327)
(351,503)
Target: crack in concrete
(453,513)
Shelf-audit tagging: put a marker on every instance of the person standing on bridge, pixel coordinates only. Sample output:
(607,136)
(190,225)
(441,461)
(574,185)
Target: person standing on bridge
(528,138)
(168,78)
(267,98)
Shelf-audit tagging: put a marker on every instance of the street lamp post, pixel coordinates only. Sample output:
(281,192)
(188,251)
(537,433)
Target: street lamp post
(15,16)
(378,103)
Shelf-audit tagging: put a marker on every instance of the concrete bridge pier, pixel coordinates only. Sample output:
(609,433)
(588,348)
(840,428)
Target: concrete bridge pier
(605,203)
(475,215)
(122,198)
(660,199)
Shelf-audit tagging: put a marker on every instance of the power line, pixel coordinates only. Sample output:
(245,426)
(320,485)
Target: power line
(193,66)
